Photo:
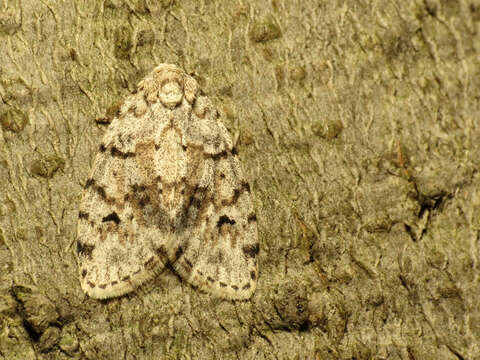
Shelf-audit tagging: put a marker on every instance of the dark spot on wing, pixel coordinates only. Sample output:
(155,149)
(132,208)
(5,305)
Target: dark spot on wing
(92,285)
(222,284)
(253,275)
(252,218)
(112,217)
(84,273)
(126,278)
(246,287)
(162,252)
(246,186)
(82,215)
(150,263)
(84,249)
(251,250)
(138,188)
(234,151)
(102,148)
(187,265)
(120,154)
(97,188)
(101,192)
(90,182)
(195,195)
(234,287)
(103,286)
(179,252)
(196,202)
(218,156)
(236,195)
(209,278)
(144,200)
(114,283)
(224,219)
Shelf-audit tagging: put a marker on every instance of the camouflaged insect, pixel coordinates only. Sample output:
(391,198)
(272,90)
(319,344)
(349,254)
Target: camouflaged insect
(166,189)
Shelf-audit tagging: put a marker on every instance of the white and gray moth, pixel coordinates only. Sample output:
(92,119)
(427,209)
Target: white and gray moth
(167,190)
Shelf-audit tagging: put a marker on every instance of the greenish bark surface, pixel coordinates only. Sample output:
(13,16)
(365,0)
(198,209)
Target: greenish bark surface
(358,126)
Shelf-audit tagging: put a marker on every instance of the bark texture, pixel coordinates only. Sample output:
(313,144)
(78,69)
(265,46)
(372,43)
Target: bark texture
(358,126)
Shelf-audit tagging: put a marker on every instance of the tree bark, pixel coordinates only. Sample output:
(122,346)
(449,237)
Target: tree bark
(357,123)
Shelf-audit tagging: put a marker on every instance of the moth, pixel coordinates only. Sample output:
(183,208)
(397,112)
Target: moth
(167,190)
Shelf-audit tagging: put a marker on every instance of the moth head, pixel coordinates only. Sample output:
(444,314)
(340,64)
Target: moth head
(170,85)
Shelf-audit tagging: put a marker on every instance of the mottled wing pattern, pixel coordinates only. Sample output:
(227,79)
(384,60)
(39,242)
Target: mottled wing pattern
(113,232)
(167,188)
(220,255)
